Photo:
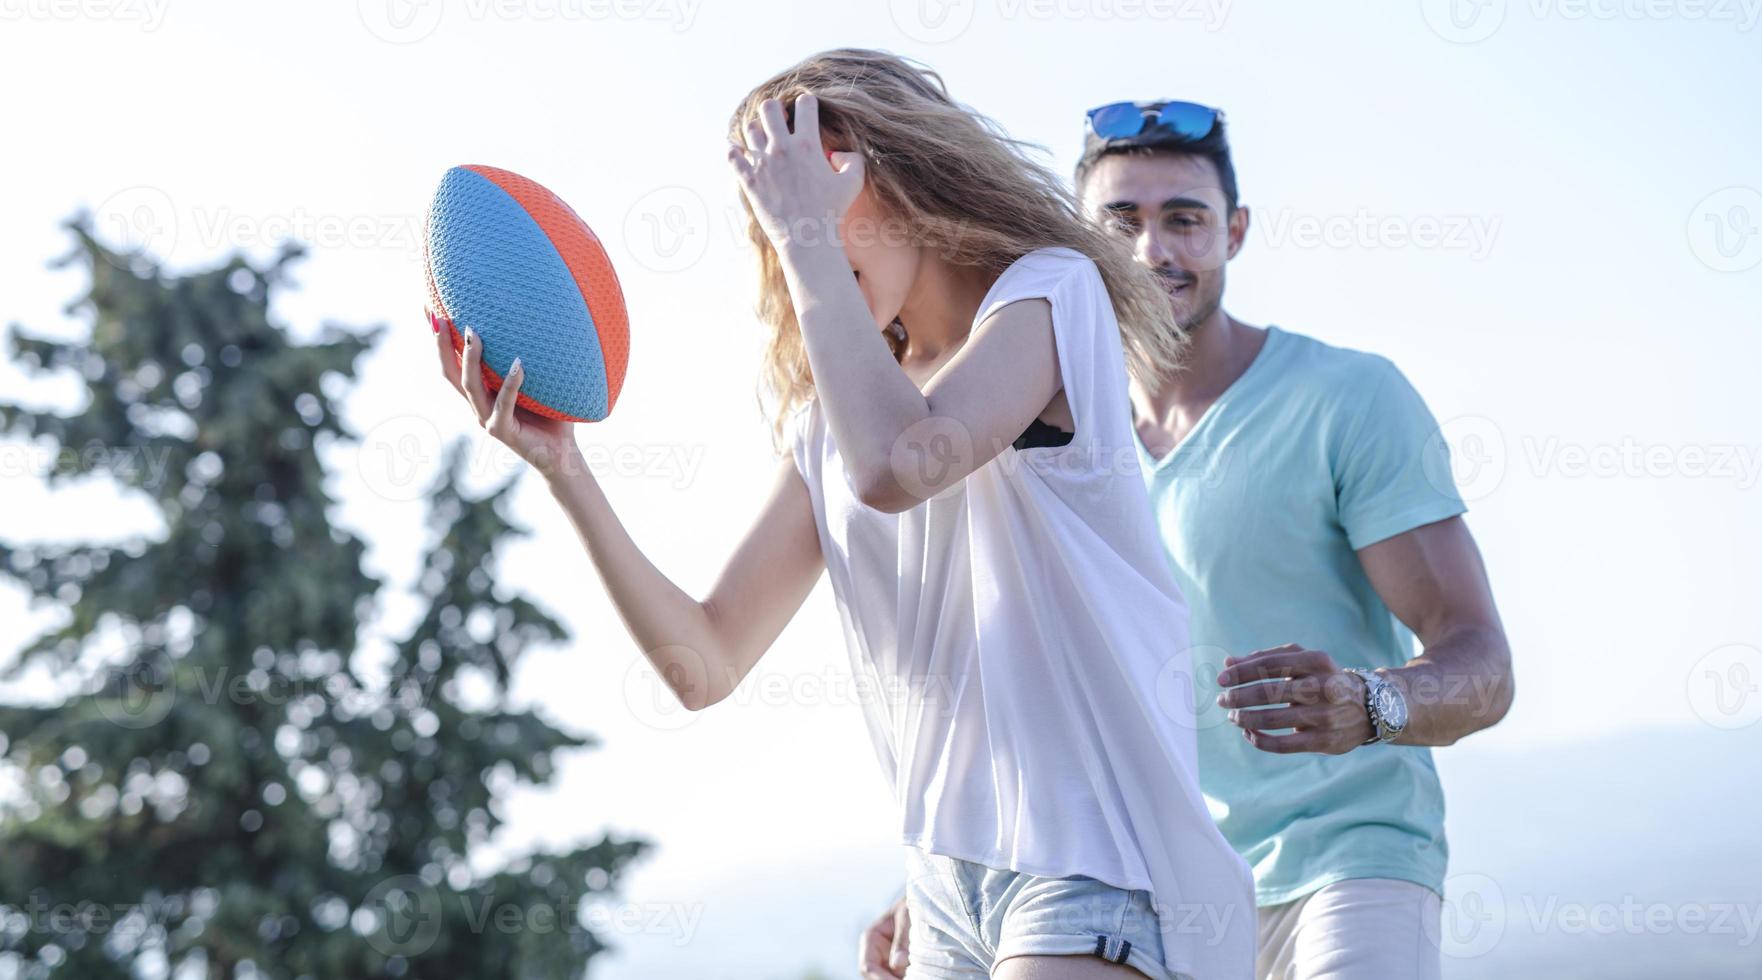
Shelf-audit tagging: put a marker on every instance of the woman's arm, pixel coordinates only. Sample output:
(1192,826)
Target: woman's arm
(900,445)
(702,649)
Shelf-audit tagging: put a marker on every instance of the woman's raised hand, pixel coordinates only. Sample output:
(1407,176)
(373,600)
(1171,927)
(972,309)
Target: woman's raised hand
(796,196)
(548,444)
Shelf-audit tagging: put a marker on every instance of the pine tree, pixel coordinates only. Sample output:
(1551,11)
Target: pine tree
(233,780)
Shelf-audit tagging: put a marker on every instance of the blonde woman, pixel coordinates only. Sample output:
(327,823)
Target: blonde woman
(947,341)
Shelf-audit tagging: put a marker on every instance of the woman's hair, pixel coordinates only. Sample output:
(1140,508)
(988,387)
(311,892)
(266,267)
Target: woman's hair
(953,182)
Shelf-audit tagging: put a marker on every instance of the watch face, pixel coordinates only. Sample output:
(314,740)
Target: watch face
(1392,707)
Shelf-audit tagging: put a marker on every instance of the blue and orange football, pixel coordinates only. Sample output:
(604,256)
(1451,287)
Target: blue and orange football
(510,260)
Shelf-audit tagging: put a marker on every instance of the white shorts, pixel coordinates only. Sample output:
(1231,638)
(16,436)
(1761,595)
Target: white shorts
(967,918)
(1358,929)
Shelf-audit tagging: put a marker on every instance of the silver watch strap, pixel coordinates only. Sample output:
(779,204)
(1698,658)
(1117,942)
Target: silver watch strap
(1379,730)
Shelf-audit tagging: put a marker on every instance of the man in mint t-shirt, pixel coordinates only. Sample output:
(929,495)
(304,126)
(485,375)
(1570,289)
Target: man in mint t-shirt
(1306,503)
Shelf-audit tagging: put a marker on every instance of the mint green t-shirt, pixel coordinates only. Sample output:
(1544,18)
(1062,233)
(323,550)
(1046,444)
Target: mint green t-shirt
(1313,453)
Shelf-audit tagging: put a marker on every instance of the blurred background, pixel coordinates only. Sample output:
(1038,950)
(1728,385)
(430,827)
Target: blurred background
(277,603)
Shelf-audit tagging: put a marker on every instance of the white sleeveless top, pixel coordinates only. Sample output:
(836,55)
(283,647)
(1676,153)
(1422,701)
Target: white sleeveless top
(1020,649)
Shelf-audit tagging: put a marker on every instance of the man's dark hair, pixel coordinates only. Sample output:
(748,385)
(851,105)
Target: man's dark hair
(1155,141)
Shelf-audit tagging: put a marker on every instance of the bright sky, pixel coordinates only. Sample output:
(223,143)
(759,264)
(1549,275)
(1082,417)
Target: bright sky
(1547,212)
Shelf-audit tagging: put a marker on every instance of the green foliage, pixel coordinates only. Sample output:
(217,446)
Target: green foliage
(236,782)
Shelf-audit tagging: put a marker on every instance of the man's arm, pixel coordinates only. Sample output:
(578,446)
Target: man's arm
(1433,580)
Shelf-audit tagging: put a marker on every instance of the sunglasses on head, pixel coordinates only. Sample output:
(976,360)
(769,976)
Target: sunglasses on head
(1125,120)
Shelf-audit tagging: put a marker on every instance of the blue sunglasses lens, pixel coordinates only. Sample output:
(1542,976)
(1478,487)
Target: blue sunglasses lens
(1124,120)
(1188,119)
(1120,120)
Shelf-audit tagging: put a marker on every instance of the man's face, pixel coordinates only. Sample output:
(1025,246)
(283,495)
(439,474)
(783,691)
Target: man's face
(1172,208)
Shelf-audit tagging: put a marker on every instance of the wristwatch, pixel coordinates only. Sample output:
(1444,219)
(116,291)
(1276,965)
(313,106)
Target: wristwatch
(1385,703)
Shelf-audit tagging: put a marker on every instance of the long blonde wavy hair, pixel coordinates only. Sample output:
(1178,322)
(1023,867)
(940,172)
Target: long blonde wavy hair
(959,185)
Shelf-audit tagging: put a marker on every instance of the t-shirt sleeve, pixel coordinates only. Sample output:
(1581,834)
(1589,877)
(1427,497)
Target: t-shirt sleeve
(1392,470)
(1084,331)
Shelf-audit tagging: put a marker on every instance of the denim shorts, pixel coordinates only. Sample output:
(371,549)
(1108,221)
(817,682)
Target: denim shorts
(967,917)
